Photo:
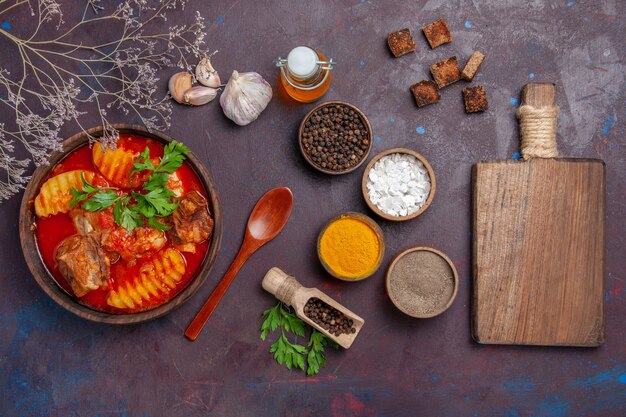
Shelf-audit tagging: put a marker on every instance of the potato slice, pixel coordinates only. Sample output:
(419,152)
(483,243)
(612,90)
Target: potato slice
(55,194)
(114,164)
(169,268)
(155,281)
(114,300)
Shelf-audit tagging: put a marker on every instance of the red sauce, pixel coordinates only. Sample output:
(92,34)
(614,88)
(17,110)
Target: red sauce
(52,230)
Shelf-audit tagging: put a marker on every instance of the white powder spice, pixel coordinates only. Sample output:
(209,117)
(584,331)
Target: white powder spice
(398,184)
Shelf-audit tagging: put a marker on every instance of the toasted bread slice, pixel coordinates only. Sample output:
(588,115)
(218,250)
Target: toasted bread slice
(475,99)
(471,67)
(445,72)
(437,33)
(425,93)
(400,42)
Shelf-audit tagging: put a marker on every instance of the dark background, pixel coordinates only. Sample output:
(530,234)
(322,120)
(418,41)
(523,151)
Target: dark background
(52,363)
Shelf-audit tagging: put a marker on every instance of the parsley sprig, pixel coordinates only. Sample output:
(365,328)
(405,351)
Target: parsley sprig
(146,206)
(316,358)
(294,354)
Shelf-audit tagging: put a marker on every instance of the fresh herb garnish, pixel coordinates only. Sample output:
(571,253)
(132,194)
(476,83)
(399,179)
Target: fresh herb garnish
(101,201)
(126,216)
(315,358)
(294,354)
(87,191)
(154,223)
(153,201)
(174,154)
(159,199)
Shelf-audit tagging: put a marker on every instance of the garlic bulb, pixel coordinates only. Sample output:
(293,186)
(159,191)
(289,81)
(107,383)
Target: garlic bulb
(199,95)
(245,96)
(179,83)
(206,74)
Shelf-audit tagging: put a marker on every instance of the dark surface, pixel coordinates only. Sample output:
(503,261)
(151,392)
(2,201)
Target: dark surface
(53,363)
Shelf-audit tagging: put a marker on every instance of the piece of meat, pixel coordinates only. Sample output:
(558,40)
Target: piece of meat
(148,239)
(83,263)
(141,242)
(90,221)
(84,221)
(191,221)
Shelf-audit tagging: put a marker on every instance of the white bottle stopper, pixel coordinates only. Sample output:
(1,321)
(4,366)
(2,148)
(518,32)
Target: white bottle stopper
(302,62)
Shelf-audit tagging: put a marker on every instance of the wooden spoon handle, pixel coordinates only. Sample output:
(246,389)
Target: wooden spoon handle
(195,327)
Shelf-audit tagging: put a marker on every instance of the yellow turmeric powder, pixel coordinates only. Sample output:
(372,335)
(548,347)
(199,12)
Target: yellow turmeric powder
(351,248)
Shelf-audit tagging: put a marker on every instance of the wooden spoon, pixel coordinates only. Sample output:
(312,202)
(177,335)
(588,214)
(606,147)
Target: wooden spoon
(267,219)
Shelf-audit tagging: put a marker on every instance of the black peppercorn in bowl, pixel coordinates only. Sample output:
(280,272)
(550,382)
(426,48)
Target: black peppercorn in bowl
(335,137)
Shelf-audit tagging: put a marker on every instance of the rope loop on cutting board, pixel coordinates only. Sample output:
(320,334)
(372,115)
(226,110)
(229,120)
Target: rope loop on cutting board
(538,131)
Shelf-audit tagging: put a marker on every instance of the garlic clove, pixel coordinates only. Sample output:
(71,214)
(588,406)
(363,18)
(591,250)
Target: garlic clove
(178,84)
(212,81)
(199,95)
(206,74)
(245,96)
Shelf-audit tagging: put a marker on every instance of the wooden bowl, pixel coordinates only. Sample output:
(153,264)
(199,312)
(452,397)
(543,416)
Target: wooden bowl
(363,118)
(431,195)
(370,223)
(424,269)
(69,302)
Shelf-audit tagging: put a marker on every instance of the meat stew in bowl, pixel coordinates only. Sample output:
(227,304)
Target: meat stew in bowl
(125,231)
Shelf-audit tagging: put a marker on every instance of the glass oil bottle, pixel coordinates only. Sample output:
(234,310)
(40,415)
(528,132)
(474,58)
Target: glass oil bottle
(305,74)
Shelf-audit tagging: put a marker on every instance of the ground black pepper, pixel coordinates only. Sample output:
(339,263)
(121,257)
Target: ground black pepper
(335,137)
(331,319)
(421,283)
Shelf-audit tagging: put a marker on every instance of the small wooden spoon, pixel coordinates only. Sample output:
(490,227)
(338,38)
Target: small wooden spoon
(267,219)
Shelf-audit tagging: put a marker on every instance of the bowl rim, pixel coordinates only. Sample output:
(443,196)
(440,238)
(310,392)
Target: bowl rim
(445,257)
(333,103)
(370,222)
(431,174)
(43,277)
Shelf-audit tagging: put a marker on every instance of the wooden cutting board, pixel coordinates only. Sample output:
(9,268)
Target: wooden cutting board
(538,243)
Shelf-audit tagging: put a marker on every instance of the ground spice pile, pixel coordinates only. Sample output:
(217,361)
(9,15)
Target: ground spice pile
(331,319)
(335,138)
(421,283)
(350,247)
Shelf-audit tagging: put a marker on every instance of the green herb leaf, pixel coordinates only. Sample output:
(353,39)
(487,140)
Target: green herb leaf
(101,201)
(161,227)
(174,154)
(293,354)
(143,206)
(315,357)
(156,181)
(292,323)
(272,320)
(126,217)
(78,197)
(161,200)
(288,353)
(88,188)
(143,162)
